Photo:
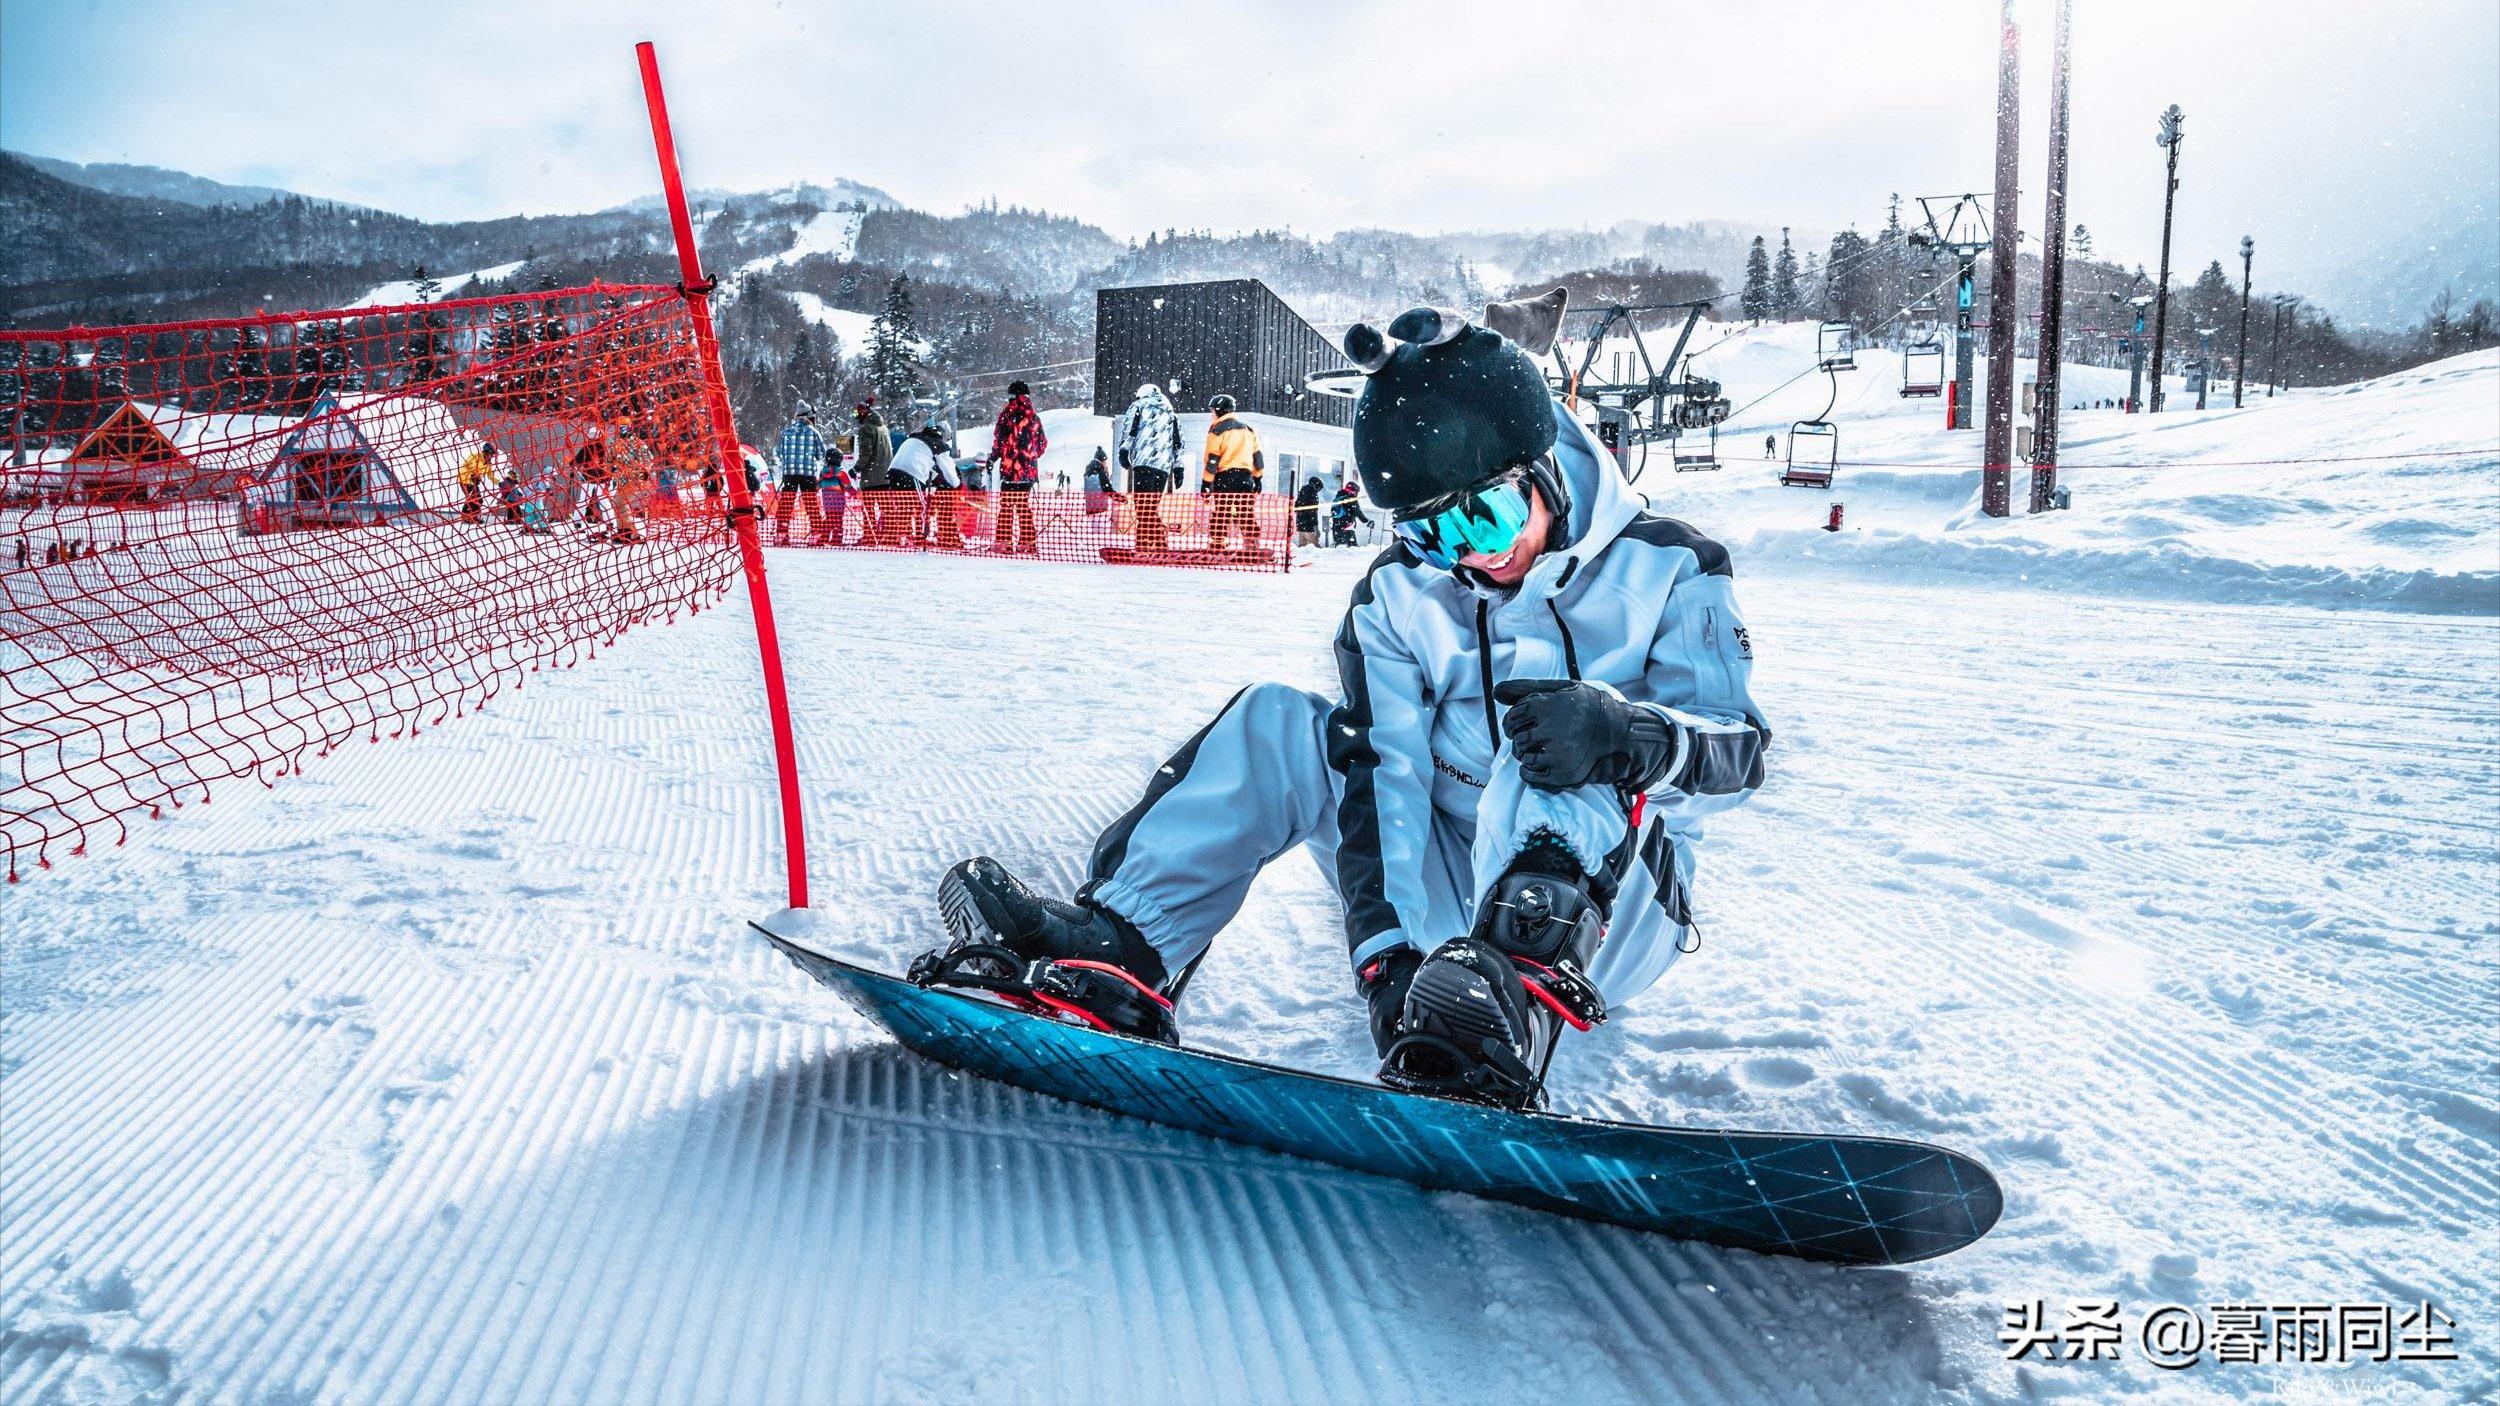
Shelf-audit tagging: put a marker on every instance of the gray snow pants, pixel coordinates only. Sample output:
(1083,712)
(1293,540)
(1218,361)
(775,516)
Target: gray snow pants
(1256,781)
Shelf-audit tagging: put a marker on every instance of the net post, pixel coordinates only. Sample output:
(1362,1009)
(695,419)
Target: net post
(733,474)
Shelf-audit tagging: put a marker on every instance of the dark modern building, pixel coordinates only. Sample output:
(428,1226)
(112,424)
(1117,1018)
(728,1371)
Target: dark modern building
(1227,337)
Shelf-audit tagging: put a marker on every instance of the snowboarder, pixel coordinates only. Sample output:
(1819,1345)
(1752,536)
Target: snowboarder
(1306,513)
(1234,470)
(802,456)
(1345,514)
(1543,692)
(1149,452)
(1016,447)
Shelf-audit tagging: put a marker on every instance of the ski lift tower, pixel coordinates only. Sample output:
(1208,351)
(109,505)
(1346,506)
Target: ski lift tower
(1962,231)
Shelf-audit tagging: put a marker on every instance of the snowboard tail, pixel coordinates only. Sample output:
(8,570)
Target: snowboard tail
(1841,1199)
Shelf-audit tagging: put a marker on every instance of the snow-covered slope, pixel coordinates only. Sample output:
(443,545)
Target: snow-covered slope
(449,1072)
(2377,493)
(403,291)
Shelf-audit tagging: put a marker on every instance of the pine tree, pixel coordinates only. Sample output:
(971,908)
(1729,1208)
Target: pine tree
(1848,285)
(804,377)
(1755,301)
(1784,280)
(891,339)
(427,287)
(2083,241)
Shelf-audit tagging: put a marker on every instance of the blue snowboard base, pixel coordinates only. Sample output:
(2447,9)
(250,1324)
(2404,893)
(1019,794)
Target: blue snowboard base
(1841,1199)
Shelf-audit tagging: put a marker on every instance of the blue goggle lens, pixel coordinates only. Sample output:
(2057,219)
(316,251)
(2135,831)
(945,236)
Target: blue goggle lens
(1487,520)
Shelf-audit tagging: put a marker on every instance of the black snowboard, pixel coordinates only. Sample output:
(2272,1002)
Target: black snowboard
(1846,1199)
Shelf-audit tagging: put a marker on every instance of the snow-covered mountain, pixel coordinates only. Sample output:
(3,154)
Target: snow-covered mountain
(156,183)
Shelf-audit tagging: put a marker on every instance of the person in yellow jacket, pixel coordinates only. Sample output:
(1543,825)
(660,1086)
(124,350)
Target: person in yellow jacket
(475,472)
(1234,470)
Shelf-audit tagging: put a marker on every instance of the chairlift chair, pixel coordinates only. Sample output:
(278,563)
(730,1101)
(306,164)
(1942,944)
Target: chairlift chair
(1835,347)
(1687,461)
(1922,369)
(1819,441)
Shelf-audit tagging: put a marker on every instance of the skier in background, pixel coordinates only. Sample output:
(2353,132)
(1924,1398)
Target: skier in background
(1234,470)
(834,490)
(1770,446)
(872,453)
(801,455)
(1543,691)
(474,473)
(1345,513)
(1306,513)
(597,478)
(923,462)
(1148,450)
(1016,447)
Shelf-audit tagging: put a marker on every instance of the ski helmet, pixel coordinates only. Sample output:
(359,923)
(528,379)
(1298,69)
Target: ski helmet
(1446,407)
(1221,405)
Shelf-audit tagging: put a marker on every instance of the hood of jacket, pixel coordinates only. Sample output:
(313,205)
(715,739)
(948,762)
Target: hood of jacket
(1602,504)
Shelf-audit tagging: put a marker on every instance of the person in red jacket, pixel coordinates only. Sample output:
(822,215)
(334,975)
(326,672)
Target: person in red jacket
(1016,445)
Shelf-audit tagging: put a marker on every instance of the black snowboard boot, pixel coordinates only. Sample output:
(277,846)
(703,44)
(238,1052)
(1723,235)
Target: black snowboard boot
(1071,960)
(1482,1012)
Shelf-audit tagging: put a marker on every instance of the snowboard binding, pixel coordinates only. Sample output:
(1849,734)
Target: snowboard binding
(1072,962)
(1482,1013)
(1096,995)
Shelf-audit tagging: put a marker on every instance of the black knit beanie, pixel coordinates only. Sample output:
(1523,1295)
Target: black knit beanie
(1446,407)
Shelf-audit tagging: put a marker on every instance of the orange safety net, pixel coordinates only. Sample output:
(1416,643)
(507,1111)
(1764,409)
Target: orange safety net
(227,548)
(1213,531)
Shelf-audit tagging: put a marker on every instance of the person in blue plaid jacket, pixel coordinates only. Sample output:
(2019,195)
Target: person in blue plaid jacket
(802,455)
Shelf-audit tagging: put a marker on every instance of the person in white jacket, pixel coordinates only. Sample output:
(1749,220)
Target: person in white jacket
(1543,691)
(1147,440)
(924,459)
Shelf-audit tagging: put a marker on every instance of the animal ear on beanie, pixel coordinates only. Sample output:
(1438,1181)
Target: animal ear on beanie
(1533,323)
(1365,347)
(1427,327)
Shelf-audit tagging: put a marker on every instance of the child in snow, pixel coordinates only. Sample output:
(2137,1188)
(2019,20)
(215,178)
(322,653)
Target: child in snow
(1543,691)
(1345,514)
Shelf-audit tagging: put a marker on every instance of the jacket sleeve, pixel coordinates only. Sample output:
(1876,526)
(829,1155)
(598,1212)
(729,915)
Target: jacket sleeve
(1379,739)
(1121,429)
(1700,676)
(1258,458)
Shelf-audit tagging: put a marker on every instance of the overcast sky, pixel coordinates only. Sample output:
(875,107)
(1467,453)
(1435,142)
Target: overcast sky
(2321,128)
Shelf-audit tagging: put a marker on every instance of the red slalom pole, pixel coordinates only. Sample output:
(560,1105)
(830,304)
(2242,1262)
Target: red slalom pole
(698,293)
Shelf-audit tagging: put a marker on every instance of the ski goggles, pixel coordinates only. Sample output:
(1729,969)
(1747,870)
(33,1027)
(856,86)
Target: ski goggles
(1487,519)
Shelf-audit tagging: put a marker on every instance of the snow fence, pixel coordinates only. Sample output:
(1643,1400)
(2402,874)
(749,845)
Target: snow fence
(229,547)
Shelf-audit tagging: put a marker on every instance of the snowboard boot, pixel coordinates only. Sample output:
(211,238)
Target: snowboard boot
(1481,1014)
(1073,961)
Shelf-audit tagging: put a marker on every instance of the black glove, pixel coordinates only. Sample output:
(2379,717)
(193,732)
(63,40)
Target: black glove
(1384,980)
(1568,734)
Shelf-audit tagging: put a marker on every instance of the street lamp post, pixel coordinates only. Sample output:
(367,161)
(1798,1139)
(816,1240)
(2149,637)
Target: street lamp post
(2168,137)
(2239,369)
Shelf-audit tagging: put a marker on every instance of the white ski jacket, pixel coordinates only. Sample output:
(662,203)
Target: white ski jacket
(1635,602)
